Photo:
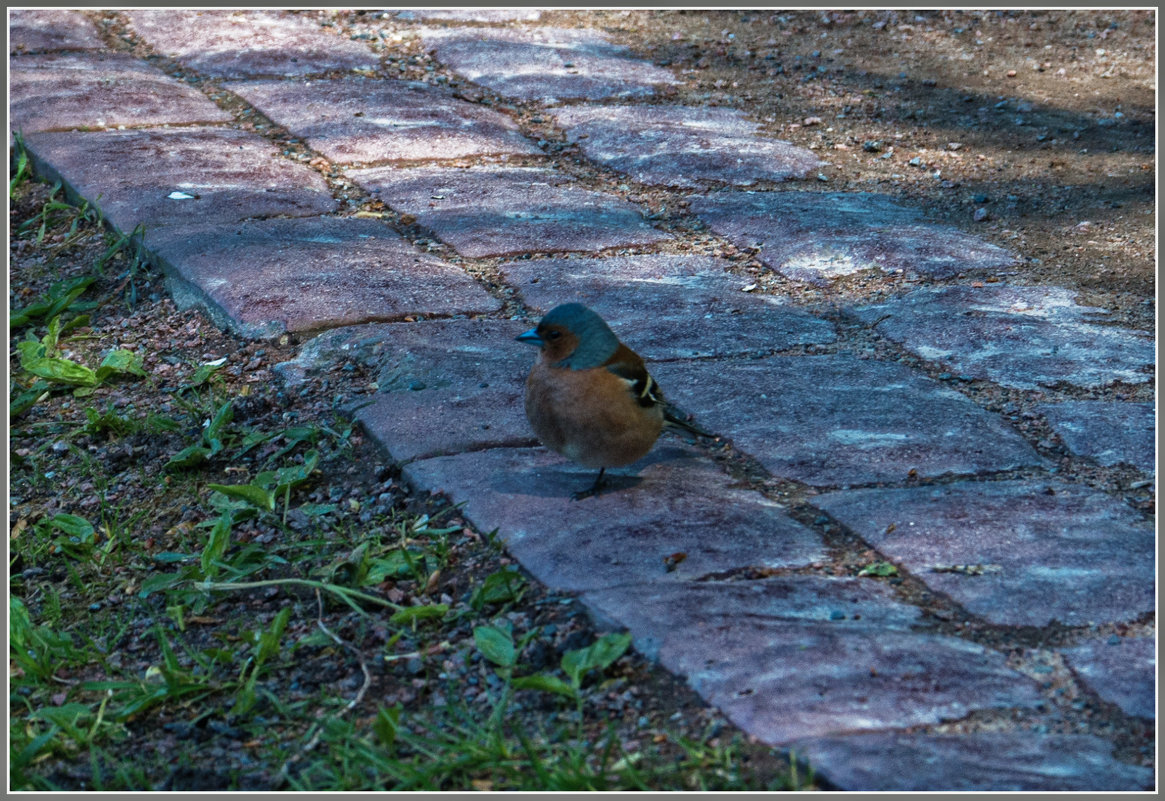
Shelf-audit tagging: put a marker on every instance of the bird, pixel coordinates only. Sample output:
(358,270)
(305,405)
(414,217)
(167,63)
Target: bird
(590,398)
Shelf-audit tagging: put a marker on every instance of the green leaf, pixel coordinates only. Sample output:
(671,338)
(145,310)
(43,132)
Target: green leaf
(545,683)
(71,525)
(599,654)
(76,322)
(412,614)
(221,419)
(387,725)
(120,361)
(269,640)
(394,564)
(495,645)
(160,582)
(256,496)
(53,336)
(61,370)
(30,350)
(879,569)
(499,587)
(188,457)
(317,509)
(69,717)
(286,477)
(216,545)
(29,398)
(20,624)
(204,372)
(251,439)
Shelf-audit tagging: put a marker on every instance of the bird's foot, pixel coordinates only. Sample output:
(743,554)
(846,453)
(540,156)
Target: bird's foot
(593,490)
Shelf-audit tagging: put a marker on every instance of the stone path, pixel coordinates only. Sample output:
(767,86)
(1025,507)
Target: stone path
(408,224)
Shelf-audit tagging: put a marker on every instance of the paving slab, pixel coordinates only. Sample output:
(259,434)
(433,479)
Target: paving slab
(683,145)
(818,236)
(503,211)
(304,274)
(100,90)
(1109,432)
(783,681)
(668,306)
(673,501)
(1121,671)
(171,176)
(807,655)
(1020,553)
(840,420)
(474,401)
(471,14)
(664,613)
(253,43)
(443,386)
(1019,336)
(981,761)
(33,30)
(546,64)
(374,120)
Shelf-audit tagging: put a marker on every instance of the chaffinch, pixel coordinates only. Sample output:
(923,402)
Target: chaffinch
(589,397)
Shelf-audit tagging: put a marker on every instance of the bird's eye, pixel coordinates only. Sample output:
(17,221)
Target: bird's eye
(553,334)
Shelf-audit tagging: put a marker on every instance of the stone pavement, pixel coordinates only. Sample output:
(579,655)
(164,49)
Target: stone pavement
(289,182)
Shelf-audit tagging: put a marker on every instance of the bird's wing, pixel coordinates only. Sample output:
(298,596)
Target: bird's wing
(627,364)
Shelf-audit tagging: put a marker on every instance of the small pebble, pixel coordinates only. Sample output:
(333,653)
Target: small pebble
(980,214)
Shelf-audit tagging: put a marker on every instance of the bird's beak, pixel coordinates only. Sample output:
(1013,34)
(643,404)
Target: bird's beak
(530,338)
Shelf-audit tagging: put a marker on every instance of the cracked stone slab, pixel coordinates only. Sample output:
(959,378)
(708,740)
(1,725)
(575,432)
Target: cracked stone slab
(89,90)
(373,120)
(1020,553)
(194,176)
(503,211)
(818,236)
(443,386)
(674,500)
(547,65)
(983,761)
(35,30)
(471,14)
(1019,336)
(241,44)
(839,420)
(785,681)
(668,306)
(1109,432)
(1121,671)
(683,145)
(271,276)
(665,613)
(805,656)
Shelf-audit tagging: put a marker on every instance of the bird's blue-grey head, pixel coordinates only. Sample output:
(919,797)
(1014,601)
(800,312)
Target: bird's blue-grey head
(574,336)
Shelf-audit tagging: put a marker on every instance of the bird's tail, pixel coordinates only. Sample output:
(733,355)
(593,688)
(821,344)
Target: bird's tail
(674,418)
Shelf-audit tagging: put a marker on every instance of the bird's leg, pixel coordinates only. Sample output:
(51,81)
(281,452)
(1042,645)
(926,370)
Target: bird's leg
(594,490)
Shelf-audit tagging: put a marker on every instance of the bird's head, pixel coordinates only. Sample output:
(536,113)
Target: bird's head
(571,335)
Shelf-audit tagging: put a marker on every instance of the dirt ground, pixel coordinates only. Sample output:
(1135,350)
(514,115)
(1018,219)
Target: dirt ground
(1043,119)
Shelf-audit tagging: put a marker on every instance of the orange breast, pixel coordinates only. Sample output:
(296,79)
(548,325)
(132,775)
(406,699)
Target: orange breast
(589,416)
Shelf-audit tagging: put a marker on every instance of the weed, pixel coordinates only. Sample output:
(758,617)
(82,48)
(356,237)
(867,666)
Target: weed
(23,171)
(61,298)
